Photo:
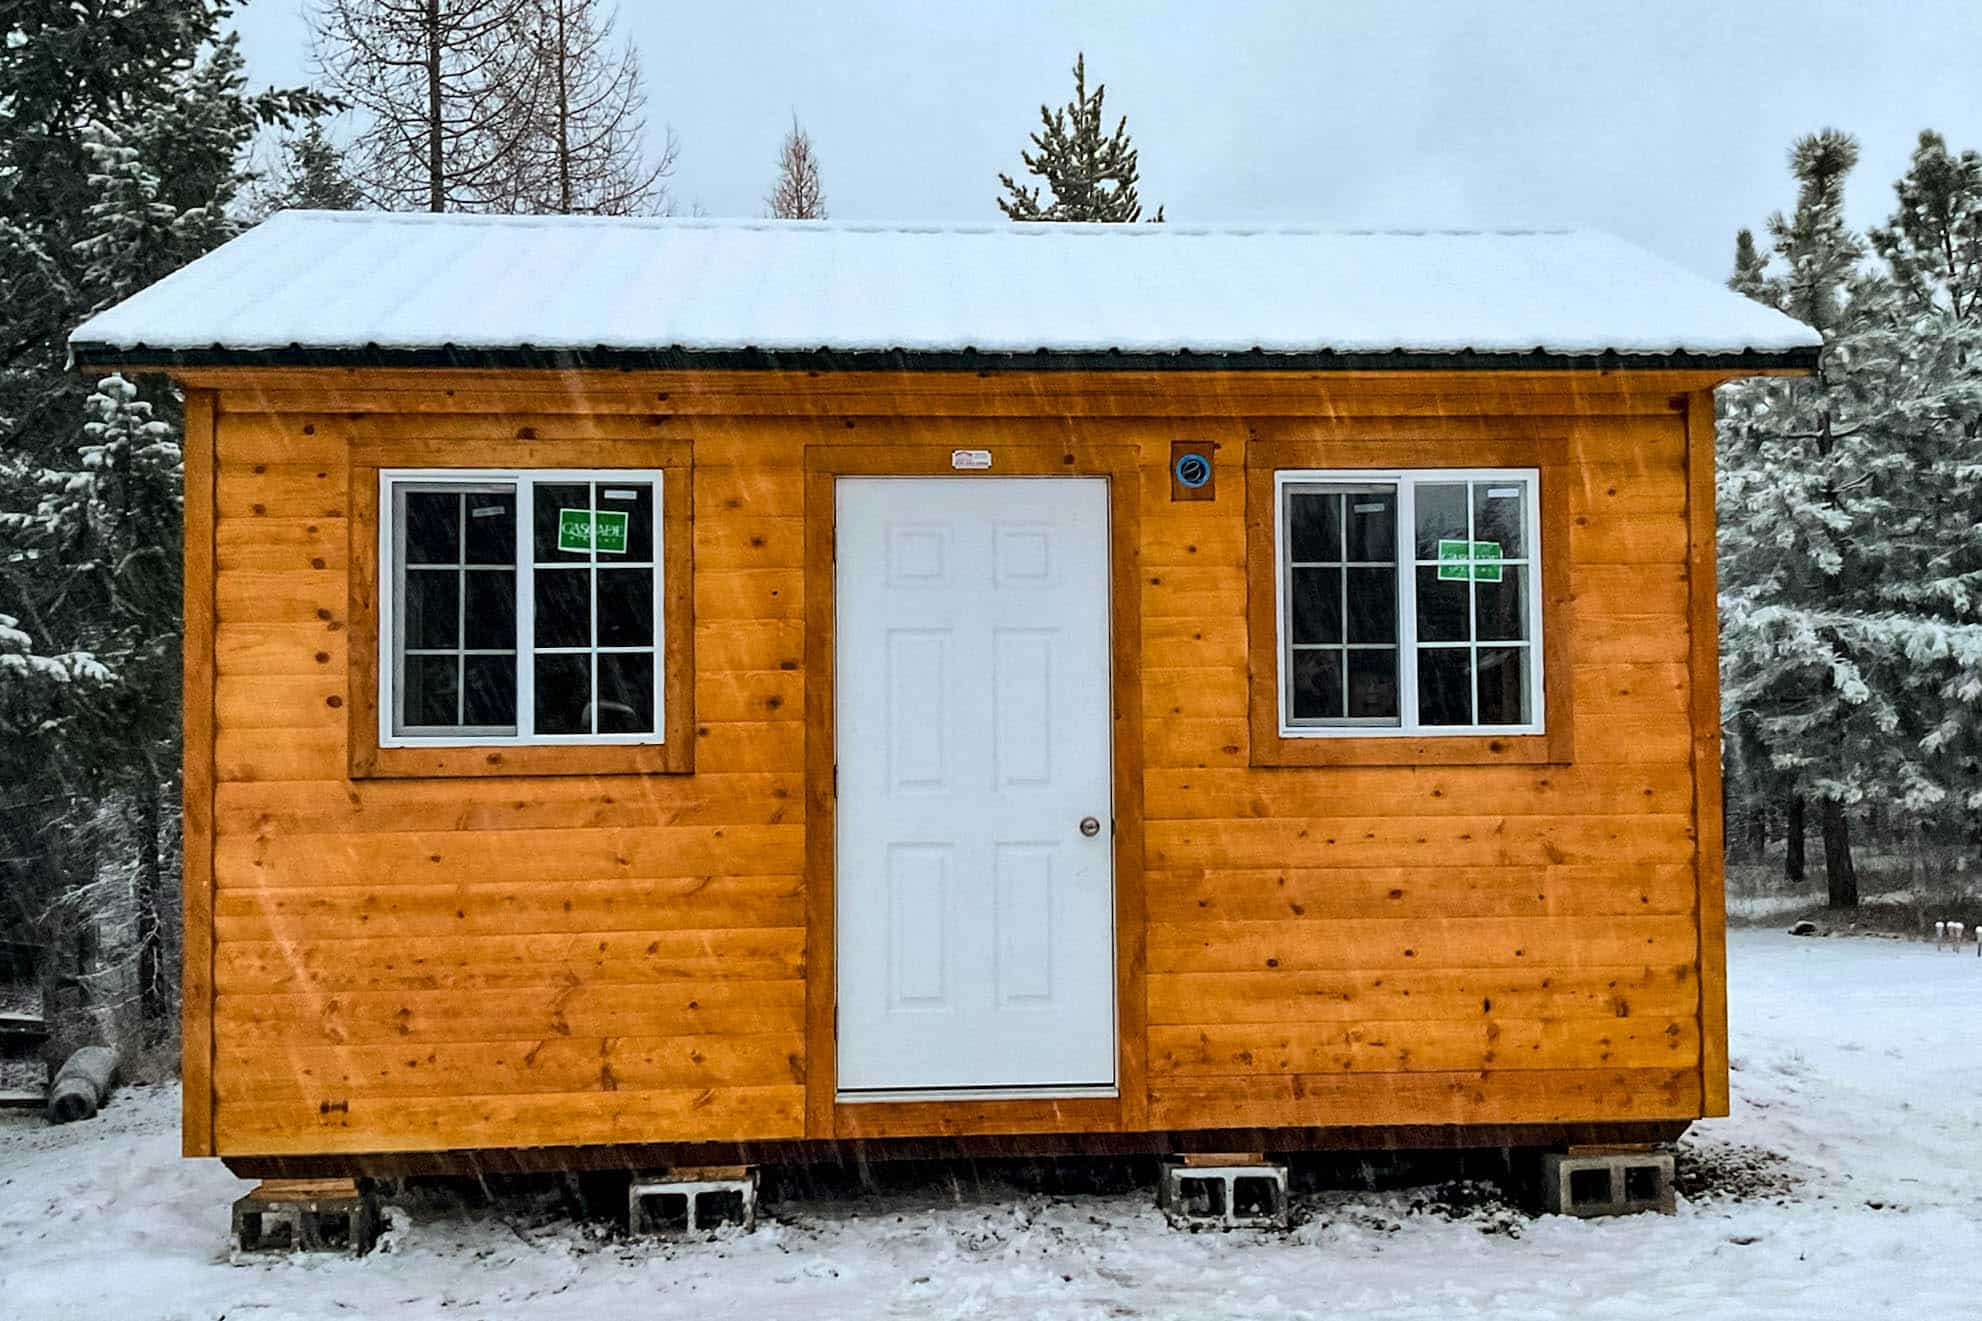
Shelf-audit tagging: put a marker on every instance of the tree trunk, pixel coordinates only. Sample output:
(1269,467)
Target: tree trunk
(1839,870)
(436,181)
(1758,831)
(1792,867)
(563,58)
(153,1009)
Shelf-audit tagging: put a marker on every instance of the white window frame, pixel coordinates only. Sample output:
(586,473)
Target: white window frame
(525,481)
(1406,481)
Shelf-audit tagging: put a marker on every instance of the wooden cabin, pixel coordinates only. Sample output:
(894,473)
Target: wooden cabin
(656,690)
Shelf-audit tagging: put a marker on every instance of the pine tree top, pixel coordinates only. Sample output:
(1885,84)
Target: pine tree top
(1092,173)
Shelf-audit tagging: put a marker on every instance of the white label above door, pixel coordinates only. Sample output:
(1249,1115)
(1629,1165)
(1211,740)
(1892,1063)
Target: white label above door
(975,943)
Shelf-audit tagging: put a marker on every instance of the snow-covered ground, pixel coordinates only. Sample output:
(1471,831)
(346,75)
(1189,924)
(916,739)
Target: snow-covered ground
(1858,1062)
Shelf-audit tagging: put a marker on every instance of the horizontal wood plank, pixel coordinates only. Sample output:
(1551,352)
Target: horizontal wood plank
(559,1064)
(1513,1096)
(413,911)
(303,960)
(313,807)
(1394,994)
(392,858)
(434,1123)
(1246,1051)
(1454,841)
(411,1017)
(1455,942)
(1417,890)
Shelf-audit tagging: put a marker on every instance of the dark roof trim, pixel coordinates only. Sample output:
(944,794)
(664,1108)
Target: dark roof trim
(87,356)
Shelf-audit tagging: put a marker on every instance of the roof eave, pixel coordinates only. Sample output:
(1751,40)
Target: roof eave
(101,357)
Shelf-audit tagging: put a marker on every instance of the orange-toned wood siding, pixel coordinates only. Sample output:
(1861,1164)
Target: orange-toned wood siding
(488,961)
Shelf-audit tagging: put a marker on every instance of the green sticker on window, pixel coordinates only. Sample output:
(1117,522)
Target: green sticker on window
(1456,561)
(583,530)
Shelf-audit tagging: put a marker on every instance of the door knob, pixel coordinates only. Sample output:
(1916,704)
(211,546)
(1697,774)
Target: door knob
(1089,827)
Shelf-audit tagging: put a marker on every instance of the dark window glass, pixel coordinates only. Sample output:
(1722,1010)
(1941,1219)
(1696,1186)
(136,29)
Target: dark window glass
(490,698)
(613,498)
(564,694)
(626,693)
(1441,516)
(433,527)
(1498,511)
(492,528)
(1442,608)
(490,622)
(1372,605)
(1316,691)
(1503,683)
(433,609)
(1445,686)
(626,607)
(1317,604)
(1501,609)
(431,691)
(1373,684)
(564,608)
(1373,527)
(1315,526)
(550,499)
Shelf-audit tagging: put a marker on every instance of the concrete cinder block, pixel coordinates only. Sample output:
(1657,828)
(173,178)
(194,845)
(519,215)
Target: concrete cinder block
(1251,1196)
(668,1204)
(1610,1184)
(327,1216)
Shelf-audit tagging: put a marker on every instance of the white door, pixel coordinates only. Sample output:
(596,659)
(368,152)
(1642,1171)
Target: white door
(975,918)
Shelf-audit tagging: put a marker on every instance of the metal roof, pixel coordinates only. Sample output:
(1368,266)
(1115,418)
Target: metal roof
(415,289)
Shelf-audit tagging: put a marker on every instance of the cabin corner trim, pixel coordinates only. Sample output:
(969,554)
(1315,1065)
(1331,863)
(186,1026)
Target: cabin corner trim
(198,670)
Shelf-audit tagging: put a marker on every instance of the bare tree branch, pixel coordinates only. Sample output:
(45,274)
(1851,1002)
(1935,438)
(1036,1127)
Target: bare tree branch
(798,194)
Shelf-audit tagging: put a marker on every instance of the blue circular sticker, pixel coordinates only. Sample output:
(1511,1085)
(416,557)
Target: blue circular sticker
(1192,471)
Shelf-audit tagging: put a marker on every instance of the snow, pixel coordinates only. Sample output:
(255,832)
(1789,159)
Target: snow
(1854,1061)
(344,280)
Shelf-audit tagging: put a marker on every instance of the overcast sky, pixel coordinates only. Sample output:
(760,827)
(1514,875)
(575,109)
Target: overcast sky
(1666,121)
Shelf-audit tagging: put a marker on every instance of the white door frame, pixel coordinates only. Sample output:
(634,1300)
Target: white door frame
(1107,801)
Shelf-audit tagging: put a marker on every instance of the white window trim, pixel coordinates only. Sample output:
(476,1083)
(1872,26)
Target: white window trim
(1406,480)
(524,480)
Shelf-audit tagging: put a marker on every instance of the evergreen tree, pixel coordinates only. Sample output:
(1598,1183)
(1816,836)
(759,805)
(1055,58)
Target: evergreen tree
(1750,267)
(1850,674)
(1934,241)
(121,133)
(310,177)
(1092,173)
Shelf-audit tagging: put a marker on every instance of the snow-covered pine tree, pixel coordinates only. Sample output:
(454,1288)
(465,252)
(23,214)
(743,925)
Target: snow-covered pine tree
(1838,497)
(1933,248)
(1092,173)
(1933,243)
(449,93)
(586,153)
(798,194)
(121,132)
(1750,267)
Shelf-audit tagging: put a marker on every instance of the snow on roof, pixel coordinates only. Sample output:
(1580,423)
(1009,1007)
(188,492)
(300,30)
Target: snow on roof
(348,281)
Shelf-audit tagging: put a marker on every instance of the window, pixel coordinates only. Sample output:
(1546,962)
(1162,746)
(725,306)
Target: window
(520,607)
(1408,603)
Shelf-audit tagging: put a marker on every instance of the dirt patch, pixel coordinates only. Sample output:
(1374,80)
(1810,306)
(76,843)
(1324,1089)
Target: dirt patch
(1730,1171)
(1483,1205)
